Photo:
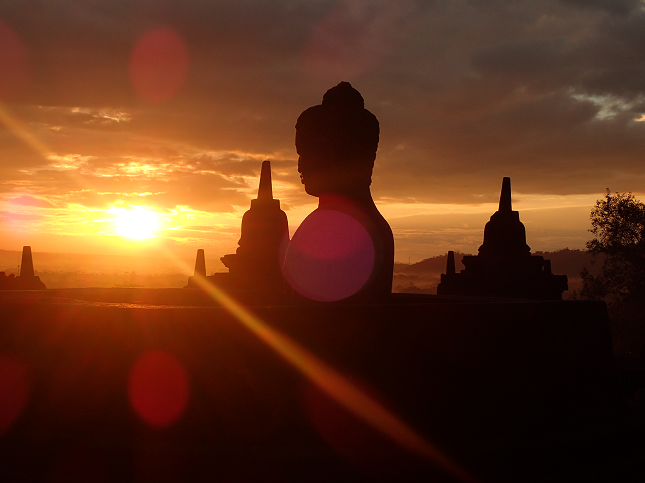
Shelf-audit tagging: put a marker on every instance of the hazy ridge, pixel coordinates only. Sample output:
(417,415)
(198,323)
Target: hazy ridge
(424,276)
(66,270)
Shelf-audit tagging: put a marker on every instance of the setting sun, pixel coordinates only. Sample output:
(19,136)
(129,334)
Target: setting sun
(137,223)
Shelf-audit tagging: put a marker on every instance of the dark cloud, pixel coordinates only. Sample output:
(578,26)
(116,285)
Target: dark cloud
(466,92)
(618,7)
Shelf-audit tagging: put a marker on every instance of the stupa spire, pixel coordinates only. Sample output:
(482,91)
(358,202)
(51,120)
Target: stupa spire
(505,196)
(27,263)
(265,190)
(450,263)
(200,263)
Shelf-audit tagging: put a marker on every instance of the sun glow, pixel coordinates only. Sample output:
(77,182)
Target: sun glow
(137,223)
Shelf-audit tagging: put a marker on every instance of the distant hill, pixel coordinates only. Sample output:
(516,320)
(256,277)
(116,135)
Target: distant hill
(429,265)
(65,270)
(69,270)
(424,276)
(570,262)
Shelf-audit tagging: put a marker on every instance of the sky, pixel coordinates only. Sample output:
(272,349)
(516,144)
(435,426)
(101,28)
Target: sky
(116,115)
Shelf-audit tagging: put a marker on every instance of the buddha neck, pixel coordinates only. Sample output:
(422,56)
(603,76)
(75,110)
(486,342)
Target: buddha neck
(361,197)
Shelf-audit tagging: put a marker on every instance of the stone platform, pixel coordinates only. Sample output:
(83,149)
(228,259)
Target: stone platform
(508,389)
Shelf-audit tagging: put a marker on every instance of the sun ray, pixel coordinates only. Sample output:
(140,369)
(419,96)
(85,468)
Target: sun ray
(333,383)
(22,132)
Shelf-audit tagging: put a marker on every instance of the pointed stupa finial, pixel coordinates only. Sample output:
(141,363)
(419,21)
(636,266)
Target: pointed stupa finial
(265,191)
(27,263)
(505,197)
(200,263)
(450,264)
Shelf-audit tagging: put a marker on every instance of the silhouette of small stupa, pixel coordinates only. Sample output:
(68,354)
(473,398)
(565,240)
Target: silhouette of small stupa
(200,269)
(27,280)
(504,266)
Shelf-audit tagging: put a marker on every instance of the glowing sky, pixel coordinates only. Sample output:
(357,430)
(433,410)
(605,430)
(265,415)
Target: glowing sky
(169,107)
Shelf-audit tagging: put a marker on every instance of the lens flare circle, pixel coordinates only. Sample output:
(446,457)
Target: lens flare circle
(330,257)
(14,390)
(158,388)
(137,224)
(158,65)
(14,62)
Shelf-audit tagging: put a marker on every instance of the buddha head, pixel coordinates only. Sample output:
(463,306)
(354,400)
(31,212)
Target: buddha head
(336,143)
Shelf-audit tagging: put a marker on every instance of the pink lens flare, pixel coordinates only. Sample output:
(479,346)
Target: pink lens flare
(158,388)
(330,257)
(14,62)
(159,65)
(14,390)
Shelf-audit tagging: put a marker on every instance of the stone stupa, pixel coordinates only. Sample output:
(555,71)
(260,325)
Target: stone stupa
(264,234)
(264,237)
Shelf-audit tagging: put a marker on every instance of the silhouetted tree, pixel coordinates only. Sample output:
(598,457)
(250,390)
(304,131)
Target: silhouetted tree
(618,225)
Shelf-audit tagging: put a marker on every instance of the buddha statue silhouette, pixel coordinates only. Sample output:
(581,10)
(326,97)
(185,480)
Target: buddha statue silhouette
(344,250)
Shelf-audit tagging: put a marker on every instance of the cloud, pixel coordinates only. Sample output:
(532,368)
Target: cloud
(9,216)
(547,92)
(27,200)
